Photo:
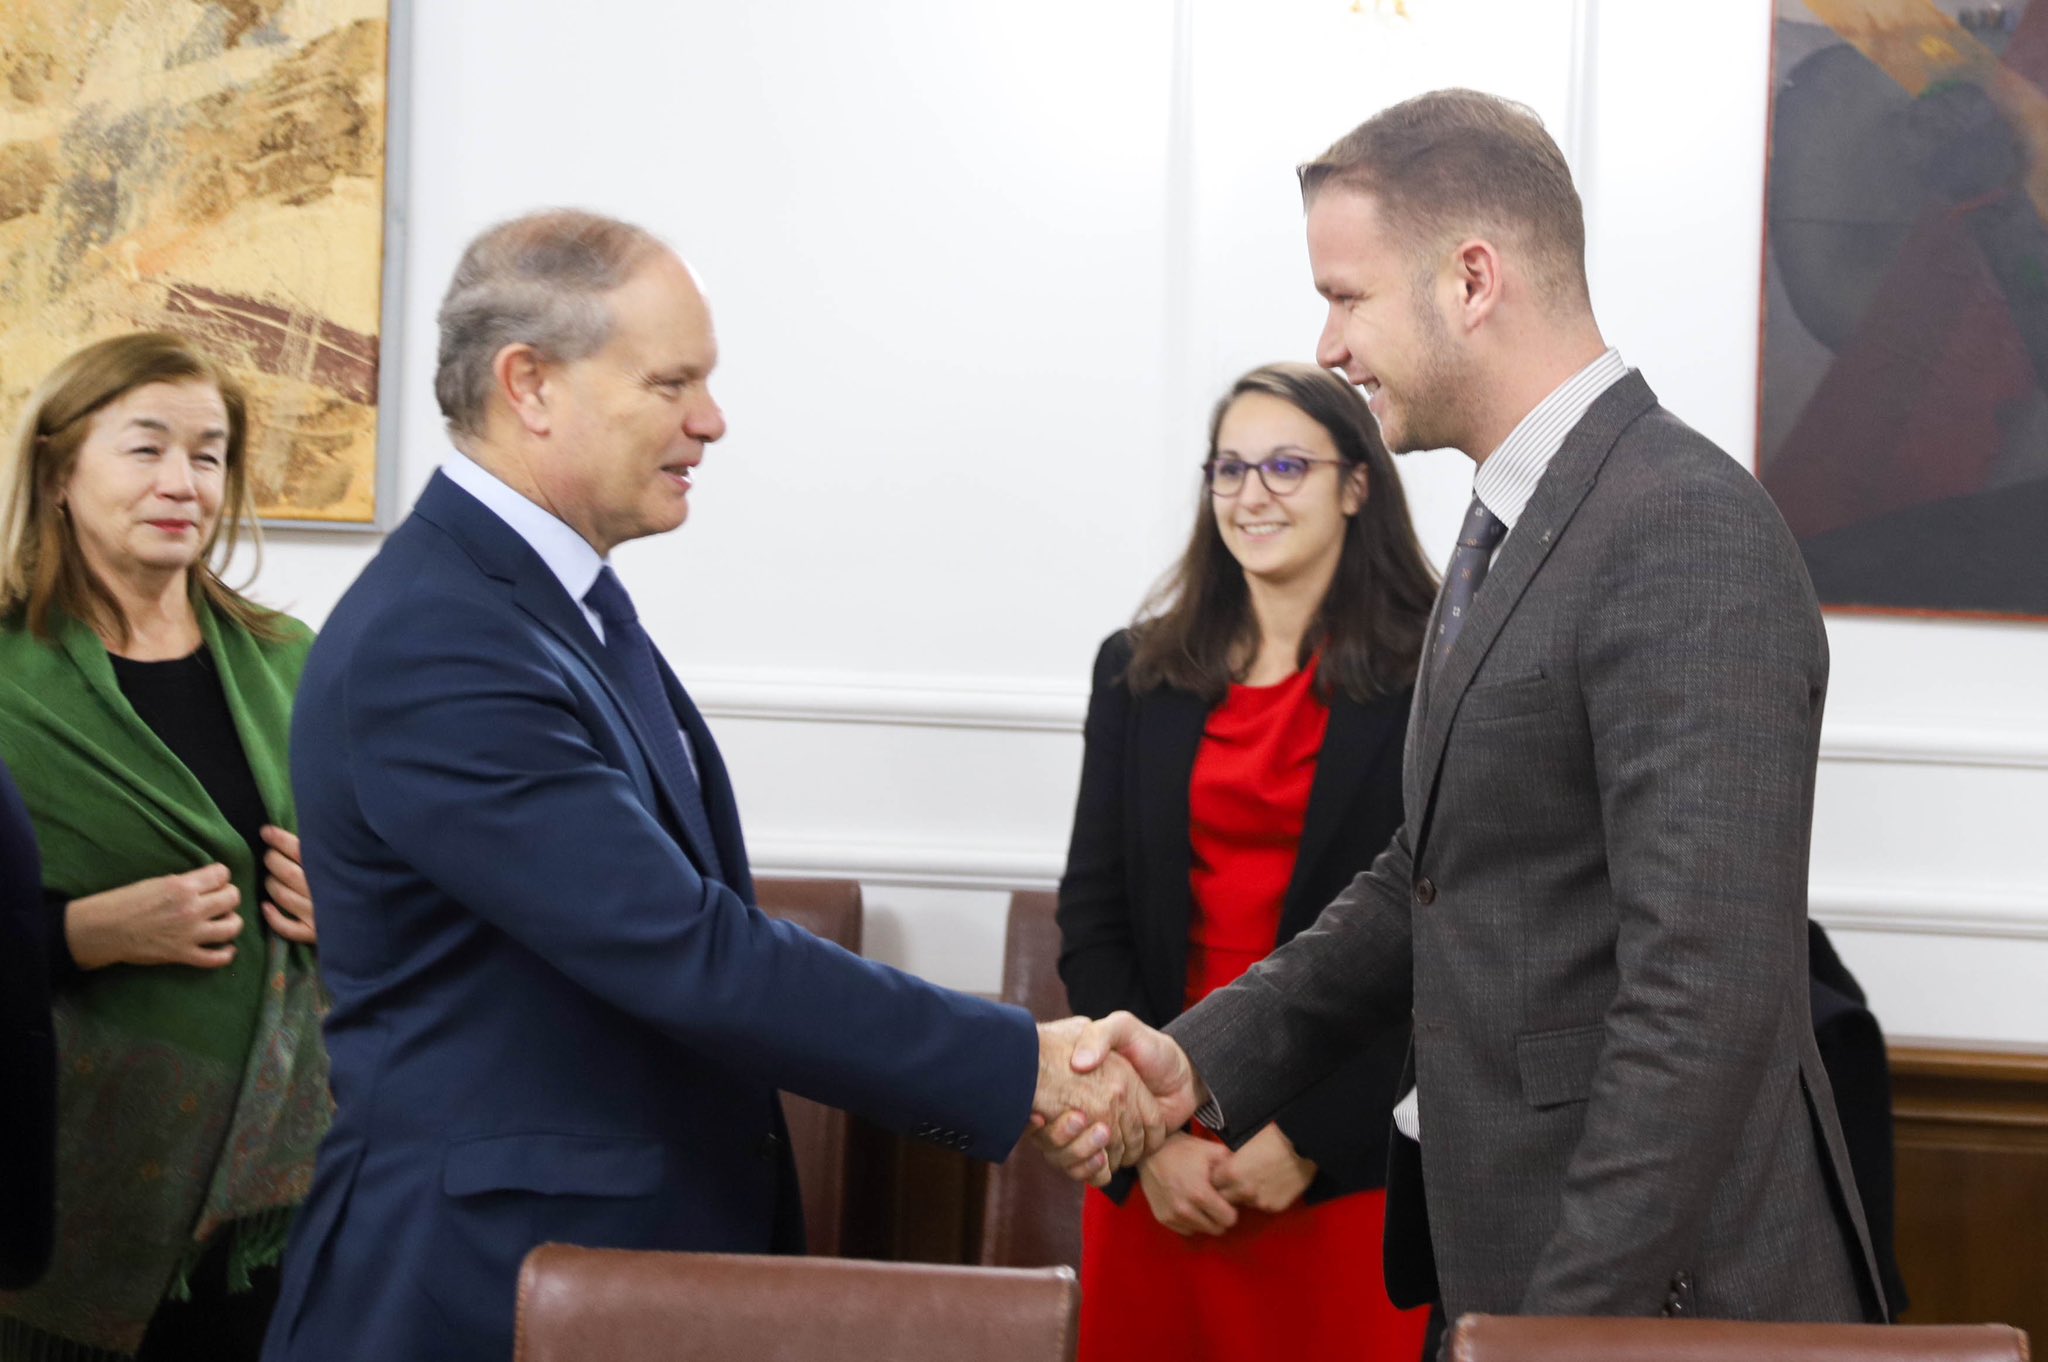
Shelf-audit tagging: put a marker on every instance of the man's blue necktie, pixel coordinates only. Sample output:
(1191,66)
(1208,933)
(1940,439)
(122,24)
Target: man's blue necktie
(1478,537)
(632,654)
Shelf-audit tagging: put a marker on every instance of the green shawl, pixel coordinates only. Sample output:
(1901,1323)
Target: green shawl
(190,1101)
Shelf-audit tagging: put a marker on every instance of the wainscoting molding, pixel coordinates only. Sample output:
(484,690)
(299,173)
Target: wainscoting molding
(998,703)
(1034,706)
(1923,910)
(939,867)
(994,704)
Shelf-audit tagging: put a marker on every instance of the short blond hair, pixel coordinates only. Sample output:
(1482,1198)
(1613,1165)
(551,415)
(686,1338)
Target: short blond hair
(42,569)
(1456,162)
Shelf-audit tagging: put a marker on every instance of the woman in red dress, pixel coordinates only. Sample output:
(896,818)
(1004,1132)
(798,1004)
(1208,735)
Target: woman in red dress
(1243,764)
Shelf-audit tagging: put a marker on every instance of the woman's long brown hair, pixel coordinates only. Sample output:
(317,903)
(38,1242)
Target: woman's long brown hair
(1196,629)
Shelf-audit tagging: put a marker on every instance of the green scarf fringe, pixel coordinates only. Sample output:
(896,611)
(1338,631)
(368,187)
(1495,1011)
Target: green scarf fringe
(254,1242)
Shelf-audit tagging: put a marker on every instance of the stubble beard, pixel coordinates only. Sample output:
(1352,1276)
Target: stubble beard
(1440,399)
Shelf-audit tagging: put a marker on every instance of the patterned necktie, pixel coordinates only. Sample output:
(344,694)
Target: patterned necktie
(633,653)
(1478,537)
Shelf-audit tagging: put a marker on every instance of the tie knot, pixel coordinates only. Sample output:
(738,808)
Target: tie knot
(609,599)
(1482,529)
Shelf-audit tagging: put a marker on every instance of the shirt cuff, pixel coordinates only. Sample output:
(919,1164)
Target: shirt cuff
(1408,1116)
(1210,1114)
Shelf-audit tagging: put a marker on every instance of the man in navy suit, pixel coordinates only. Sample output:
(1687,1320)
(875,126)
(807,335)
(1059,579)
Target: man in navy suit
(28,1058)
(557,1014)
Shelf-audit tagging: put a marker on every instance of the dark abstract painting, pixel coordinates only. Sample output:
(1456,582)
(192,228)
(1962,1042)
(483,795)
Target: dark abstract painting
(1903,427)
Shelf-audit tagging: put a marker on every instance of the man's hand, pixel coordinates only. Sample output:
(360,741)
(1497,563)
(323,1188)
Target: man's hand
(1265,1173)
(1090,1122)
(1179,1182)
(1080,1149)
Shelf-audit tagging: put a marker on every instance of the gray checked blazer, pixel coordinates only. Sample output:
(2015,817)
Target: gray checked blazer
(1596,910)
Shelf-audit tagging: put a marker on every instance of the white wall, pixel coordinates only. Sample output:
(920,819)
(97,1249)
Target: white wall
(978,273)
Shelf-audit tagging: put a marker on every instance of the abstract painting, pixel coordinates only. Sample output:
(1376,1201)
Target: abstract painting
(1903,423)
(213,167)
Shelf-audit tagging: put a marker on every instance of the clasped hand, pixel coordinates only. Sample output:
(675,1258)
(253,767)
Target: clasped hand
(1109,1092)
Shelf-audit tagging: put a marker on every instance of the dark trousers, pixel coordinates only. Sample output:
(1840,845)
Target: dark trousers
(215,1325)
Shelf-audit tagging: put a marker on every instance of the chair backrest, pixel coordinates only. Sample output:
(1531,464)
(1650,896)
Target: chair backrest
(1501,1338)
(1030,1214)
(578,1304)
(818,1135)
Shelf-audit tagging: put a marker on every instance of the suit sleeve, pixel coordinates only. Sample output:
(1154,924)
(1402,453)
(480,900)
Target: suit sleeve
(1342,1123)
(1291,1019)
(472,760)
(1098,941)
(1703,669)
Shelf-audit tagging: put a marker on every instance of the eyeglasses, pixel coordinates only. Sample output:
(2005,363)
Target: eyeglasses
(1281,473)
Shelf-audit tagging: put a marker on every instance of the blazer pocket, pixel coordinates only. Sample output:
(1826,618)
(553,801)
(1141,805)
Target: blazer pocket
(1508,699)
(1557,1066)
(553,1165)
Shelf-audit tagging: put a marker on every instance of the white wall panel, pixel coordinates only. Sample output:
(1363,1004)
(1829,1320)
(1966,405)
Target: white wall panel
(979,272)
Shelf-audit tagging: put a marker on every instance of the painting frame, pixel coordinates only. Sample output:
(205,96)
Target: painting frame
(236,173)
(1917,553)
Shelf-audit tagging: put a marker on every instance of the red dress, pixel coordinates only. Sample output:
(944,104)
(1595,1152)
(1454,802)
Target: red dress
(1305,1284)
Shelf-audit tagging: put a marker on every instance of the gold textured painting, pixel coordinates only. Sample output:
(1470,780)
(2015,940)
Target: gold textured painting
(213,167)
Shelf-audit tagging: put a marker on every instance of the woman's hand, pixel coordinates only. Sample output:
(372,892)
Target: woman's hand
(289,910)
(1178,1179)
(186,919)
(1265,1173)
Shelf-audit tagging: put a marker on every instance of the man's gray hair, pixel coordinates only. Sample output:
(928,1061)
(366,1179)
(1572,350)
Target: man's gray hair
(536,280)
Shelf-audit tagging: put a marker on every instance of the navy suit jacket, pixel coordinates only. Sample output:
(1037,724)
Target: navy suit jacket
(28,1065)
(547,1023)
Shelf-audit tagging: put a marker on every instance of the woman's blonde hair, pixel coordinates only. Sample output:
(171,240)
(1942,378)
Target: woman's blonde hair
(42,569)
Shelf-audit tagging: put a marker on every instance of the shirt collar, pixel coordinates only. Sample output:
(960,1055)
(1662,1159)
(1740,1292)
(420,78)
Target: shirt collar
(1508,477)
(568,554)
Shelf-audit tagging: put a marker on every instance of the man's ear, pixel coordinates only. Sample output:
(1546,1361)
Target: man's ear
(1476,271)
(520,375)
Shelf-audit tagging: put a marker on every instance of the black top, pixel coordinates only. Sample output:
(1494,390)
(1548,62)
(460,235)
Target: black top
(28,1066)
(184,705)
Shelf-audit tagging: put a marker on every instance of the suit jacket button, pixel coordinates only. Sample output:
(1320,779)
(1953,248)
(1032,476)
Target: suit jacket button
(1425,891)
(769,1146)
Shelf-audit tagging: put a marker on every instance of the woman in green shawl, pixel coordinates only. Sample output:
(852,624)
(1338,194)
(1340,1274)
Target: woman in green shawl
(145,709)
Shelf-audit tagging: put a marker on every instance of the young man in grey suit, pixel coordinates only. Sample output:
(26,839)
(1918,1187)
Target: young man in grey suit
(1596,908)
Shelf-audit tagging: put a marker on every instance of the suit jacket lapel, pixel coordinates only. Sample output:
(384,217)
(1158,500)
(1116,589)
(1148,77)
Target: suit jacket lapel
(1169,735)
(1351,748)
(1563,486)
(503,555)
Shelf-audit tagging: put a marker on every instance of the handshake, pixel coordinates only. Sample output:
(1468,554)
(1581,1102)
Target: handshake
(1109,1093)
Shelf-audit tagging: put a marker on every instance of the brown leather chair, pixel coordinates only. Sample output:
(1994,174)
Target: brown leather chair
(578,1304)
(1501,1338)
(1031,1215)
(818,1135)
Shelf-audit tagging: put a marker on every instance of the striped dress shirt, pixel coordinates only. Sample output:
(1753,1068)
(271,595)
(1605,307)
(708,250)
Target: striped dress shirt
(1507,478)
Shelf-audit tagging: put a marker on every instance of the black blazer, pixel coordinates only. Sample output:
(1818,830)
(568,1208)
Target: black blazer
(1124,901)
(28,1062)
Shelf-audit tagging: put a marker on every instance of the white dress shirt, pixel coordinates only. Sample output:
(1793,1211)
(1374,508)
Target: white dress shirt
(567,554)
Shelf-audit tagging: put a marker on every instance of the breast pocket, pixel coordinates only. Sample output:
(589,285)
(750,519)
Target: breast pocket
(1557,1066)
(503,1194)
(1512,699)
